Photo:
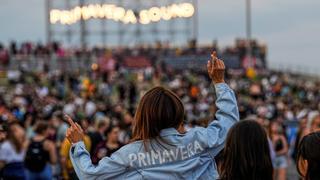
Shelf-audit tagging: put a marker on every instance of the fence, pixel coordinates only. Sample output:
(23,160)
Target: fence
(32,63)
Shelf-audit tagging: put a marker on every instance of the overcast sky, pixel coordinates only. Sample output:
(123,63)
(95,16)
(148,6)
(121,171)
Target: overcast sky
(291,28)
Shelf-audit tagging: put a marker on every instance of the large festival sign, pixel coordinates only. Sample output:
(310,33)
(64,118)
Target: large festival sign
(121,23)
(120,14)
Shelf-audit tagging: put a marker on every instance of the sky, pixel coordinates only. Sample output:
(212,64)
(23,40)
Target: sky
(290,28)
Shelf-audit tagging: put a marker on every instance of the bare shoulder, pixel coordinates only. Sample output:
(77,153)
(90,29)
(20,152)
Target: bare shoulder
(48,144)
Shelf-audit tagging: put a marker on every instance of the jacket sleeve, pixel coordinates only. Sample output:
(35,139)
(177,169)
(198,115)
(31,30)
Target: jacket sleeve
(214,135)
(108,167)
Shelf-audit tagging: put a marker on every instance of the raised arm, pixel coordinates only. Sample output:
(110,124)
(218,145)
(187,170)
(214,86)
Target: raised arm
(227,114)
(107,168)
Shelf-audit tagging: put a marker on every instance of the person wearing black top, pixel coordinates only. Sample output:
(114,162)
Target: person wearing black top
(109,146)
(98,135)
(280,146)
(40,154)
(308,156)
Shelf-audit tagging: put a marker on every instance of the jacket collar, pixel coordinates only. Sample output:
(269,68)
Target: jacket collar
(169,131)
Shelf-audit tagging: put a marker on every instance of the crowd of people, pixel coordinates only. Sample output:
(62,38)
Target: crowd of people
(33,104)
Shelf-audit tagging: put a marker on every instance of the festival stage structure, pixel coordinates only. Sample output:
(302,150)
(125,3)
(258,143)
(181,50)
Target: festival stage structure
(121,22)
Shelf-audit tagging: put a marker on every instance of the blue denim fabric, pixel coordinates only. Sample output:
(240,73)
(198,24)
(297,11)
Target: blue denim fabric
(172,156)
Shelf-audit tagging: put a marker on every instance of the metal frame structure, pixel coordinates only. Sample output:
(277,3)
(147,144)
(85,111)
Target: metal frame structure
(122,34)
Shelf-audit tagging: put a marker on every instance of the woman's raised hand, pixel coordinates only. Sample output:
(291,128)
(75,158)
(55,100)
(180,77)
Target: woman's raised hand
(216,68)
(74,133)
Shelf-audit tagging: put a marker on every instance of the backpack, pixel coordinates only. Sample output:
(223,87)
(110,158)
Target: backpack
(36,157)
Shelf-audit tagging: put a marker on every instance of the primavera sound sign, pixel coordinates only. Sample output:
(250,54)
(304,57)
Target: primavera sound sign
(120,14)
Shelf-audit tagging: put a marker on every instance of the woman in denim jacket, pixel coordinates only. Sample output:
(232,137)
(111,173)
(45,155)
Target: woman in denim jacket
(161,148)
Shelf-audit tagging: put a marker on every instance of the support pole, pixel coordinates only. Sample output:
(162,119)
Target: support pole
(83,31)
(248,32)
(195,20)
(48,24)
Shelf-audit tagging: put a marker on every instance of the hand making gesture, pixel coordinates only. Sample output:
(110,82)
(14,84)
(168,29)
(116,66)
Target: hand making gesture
(216,69)
(74,133)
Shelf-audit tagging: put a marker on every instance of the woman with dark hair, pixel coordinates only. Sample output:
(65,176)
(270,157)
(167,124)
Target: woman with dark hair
(161,148)
(42,151)
(12,153)
(308,157)
(280,147)
(125,133)
(109,146)
(246,155)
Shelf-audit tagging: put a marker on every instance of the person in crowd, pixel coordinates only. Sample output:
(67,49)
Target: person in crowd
(98,135)
(66,164)
(109,146)
(301,130)
(246,155)
(125,133)
(308,156)
(4,56)
(160,145)
(307,125)
(41,154)
(280,146)
(313,123)
(60,125)
(261,121)
(3,134)
(12,153)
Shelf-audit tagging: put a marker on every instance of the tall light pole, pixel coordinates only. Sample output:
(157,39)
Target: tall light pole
(48,25)
(248,32)
(195,20)
(83,30)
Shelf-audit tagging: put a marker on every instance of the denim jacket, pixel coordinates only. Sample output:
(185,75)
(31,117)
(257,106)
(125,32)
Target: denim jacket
(172,155)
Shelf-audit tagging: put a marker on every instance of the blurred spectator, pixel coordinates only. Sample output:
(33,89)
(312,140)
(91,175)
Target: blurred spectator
(308,158)
(2,134)
(61,126)
(40,154)
(108,146)
(280,146)
(4,56)
(98,135)
(12,153)
(125,133)
(313,123)
(300,135)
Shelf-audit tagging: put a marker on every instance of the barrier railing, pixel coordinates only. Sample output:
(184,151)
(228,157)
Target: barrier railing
(34,63)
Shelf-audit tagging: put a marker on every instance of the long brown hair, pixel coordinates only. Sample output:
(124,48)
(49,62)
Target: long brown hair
(308,157)
(246,155)
(158,109)
(18,145)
